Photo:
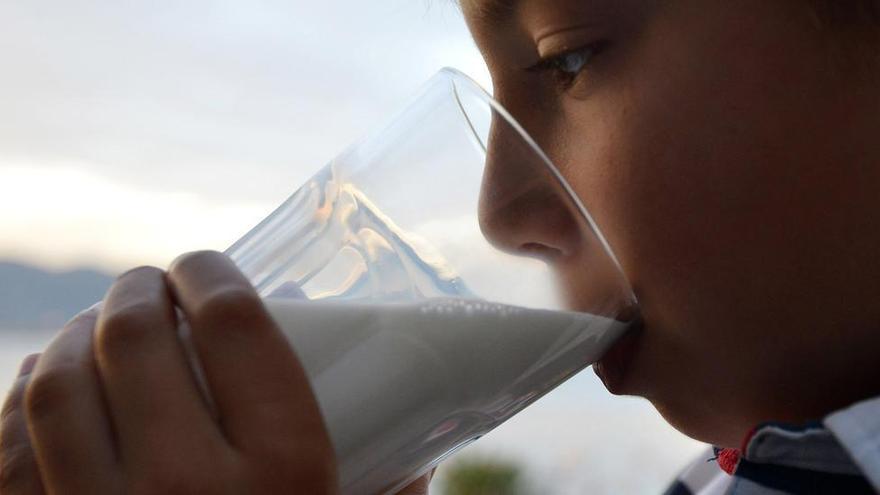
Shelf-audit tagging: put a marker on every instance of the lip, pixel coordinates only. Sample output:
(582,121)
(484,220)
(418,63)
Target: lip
(614,366)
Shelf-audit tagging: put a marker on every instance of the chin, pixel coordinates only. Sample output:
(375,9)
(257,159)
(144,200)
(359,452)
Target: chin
(701,423)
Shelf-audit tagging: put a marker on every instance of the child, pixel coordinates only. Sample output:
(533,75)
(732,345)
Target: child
(727,149)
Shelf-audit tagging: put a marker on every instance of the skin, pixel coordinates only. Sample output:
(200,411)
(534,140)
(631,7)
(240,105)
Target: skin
(728,152)
(726,149)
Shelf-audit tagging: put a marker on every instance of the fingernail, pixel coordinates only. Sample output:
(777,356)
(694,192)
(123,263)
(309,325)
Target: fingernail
(27,365)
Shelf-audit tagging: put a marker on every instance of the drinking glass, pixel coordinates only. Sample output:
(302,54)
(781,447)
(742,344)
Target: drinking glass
(435,278)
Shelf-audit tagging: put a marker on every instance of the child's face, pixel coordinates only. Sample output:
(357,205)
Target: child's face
(705,138)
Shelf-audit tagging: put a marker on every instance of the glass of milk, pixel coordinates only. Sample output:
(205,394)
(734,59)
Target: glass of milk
(434,279)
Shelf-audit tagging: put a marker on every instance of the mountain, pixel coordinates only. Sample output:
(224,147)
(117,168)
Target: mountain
(34,299)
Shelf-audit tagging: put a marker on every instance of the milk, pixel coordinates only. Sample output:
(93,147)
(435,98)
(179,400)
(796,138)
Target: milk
(407,363)
(401,385)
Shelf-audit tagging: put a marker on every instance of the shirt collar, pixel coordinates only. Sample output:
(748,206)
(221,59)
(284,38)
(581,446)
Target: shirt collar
(810,446)
(857,428)
(846,442)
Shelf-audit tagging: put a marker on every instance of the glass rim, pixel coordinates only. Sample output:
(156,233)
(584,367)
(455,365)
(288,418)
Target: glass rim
(458,80)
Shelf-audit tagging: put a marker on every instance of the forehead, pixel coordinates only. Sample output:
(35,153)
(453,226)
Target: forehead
(489,11)
(485,15)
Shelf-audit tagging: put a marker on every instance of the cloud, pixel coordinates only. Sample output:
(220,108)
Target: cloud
(68,216)
(221,102)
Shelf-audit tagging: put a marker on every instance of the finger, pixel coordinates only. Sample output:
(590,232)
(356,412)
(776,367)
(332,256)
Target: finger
(19,474)
(152,395)
(262,394)
(419,486)
(67,419)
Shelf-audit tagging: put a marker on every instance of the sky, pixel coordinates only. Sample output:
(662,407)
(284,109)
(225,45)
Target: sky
(131,132)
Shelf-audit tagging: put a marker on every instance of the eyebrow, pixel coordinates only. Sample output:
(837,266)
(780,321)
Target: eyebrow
(491,11)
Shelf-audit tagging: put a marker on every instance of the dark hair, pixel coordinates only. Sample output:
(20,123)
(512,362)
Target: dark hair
(848,13)
(853,28)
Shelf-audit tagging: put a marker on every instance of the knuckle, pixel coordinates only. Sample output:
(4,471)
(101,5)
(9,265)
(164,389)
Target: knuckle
(87,317)
(140,272)
(17,469)
(14,398)
(230,305)
(124,328)
(49,392)
(186,261)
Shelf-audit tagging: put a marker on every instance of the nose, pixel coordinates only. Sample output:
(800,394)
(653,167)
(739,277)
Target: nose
(523,209)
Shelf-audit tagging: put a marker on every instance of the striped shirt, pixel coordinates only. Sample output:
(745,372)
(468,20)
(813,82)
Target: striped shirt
(839,455)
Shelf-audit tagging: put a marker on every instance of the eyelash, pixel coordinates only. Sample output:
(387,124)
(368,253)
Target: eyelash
(558,65)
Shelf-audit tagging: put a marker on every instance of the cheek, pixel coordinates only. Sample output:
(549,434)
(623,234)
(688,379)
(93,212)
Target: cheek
(681,164)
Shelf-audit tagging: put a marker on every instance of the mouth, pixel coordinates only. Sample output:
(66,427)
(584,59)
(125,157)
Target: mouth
(614,366)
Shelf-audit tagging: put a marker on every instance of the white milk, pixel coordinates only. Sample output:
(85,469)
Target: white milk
(403,385)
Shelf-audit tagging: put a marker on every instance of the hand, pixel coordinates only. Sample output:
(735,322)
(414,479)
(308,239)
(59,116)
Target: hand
(112,406)
(419,486)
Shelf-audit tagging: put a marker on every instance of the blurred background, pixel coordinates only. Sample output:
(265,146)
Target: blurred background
(132,132)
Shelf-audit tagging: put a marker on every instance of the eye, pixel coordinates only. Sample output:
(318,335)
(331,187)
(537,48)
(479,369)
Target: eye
(572,62)
(567,66)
